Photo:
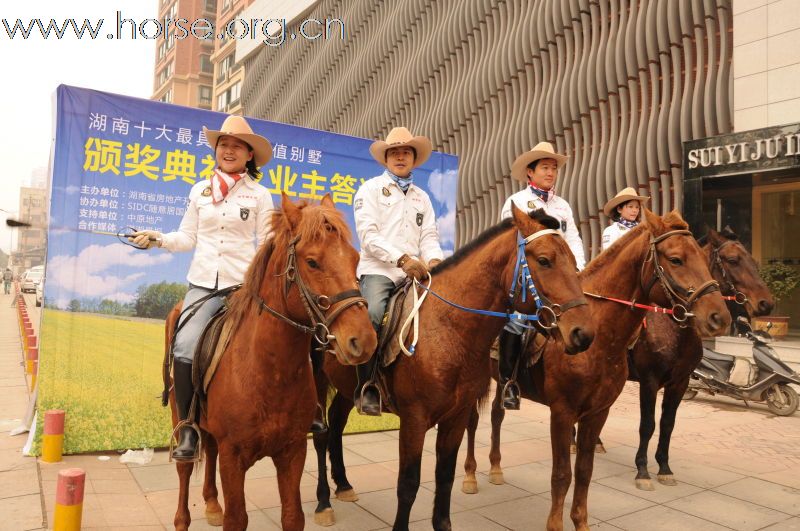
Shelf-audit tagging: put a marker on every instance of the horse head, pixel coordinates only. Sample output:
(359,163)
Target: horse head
(553,270)
(737,272)
(319,278)
(676,263)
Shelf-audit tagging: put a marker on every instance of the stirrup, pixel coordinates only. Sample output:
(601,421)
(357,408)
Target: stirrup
(364,387)
(322,422)
(510,383)
(173,442)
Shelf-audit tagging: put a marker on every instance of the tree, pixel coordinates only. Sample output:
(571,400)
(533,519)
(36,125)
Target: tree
(156,300)
(74,305)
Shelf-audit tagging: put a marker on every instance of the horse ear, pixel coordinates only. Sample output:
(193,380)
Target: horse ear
(327,201)
(674,220)
(291,211)
(520,218)
(714,238)
(653,222)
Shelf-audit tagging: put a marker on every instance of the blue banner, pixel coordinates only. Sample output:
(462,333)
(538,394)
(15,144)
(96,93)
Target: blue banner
(121,163)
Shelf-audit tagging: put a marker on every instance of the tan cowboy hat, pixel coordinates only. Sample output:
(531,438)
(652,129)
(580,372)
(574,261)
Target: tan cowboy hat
(237,126)
(628,194)
(398,137)
(542,150)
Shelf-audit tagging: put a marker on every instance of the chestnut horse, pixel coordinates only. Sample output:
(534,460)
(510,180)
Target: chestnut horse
(449,369)
(262,397)
(665,354)
(658,262)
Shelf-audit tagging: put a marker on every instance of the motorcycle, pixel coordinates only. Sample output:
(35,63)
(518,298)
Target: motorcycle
(767,380)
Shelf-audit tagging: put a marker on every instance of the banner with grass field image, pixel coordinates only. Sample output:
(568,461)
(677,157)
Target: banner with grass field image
(121,163)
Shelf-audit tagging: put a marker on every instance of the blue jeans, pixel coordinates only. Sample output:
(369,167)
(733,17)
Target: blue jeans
(189,335)
(376,289)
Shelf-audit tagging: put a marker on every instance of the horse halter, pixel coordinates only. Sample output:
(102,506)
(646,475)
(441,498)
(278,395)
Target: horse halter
(727,284)
(547,313)
(682,299)
(314,304)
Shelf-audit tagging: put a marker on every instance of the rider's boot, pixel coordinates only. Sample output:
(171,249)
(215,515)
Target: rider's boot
(510,347)
(184,391)
(367,398)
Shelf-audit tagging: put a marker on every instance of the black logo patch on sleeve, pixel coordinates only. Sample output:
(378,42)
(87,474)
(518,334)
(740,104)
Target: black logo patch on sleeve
(420,217)
(563,225)
(244,213)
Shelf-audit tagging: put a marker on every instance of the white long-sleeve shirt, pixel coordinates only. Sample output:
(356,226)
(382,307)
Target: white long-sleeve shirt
(224,235)
(612,233)
(556,207)
(390,224)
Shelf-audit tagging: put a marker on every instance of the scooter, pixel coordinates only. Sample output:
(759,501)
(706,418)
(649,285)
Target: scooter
(766,380)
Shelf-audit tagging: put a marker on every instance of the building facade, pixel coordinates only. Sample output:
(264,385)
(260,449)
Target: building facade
(184,73)
(228,73)
(31,242)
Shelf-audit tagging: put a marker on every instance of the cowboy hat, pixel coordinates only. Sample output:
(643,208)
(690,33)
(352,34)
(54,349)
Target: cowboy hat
(399,137)
(628,194)
(237,127)
(542,150)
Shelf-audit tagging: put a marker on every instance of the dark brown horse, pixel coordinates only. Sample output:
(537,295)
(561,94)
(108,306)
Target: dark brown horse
(665,354)
(262,397)
(659,262)
(449,370)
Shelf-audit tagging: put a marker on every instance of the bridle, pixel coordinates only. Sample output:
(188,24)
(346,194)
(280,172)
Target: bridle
(727,284)
(682,299)
(318,307)
(547,313)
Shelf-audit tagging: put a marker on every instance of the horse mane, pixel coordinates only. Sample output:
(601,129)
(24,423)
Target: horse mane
(315,222)
(463,252)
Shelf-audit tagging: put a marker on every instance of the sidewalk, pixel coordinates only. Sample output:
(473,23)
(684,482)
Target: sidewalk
(737,468)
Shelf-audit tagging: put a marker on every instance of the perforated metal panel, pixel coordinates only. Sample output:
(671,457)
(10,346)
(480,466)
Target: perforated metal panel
(613,83)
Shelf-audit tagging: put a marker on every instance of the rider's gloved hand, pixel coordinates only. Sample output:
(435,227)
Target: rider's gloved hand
(145,239)
(413,267)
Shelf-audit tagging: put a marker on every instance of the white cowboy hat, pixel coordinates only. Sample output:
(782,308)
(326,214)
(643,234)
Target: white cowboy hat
(237,126)
(542,150)
(399,137)
(628,194)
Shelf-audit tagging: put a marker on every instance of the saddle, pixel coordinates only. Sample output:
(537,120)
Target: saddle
(212,343)
(533,342)
(397,311)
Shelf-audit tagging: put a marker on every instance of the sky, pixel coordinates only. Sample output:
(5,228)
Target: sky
(33,68)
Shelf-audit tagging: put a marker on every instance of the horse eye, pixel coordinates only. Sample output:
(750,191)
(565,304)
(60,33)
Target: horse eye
(544,262)
(676,261)
(312,263)
(733,261)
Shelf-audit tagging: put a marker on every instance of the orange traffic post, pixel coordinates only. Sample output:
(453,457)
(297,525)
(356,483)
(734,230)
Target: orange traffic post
(69,500)
(53,438)
(33,357)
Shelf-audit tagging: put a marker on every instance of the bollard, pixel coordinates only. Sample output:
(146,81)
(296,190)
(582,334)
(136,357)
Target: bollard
(33,357)
(53,438)
(69,500)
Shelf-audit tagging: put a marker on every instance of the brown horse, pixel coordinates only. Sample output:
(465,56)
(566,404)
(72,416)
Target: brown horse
(665,354)
(449,370)
(262,397)
(657,262)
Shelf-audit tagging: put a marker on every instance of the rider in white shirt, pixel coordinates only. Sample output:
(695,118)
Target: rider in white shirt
(396,226)
(225,220)
(625,210)
(538,168)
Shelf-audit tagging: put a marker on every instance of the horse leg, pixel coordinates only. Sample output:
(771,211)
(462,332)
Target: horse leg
(289,465)
(589,429)
(323,514)
(412,438)
(669,408)
(498,414)
(470,483)
(561,424)
(210,493)
(448,441)
(647,425)
(182,517)
(337,420)
(232,470)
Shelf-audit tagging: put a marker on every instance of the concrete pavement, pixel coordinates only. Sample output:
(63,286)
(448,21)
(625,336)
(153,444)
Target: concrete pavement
(737,468)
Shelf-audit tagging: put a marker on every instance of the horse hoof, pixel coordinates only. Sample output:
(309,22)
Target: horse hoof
(348,495)
(599,448)
(469,486)
(667,479)
(573,449)
(214,519)
(645,484)
(325,518)
(496,478)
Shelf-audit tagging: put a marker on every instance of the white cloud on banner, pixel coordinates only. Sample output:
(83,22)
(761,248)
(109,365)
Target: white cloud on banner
(83,274)
(441,186)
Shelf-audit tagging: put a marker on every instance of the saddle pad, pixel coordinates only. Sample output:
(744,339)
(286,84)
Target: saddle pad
(209,350)
(397,312)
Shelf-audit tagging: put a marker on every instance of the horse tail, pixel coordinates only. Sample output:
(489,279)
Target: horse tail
(484,398)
